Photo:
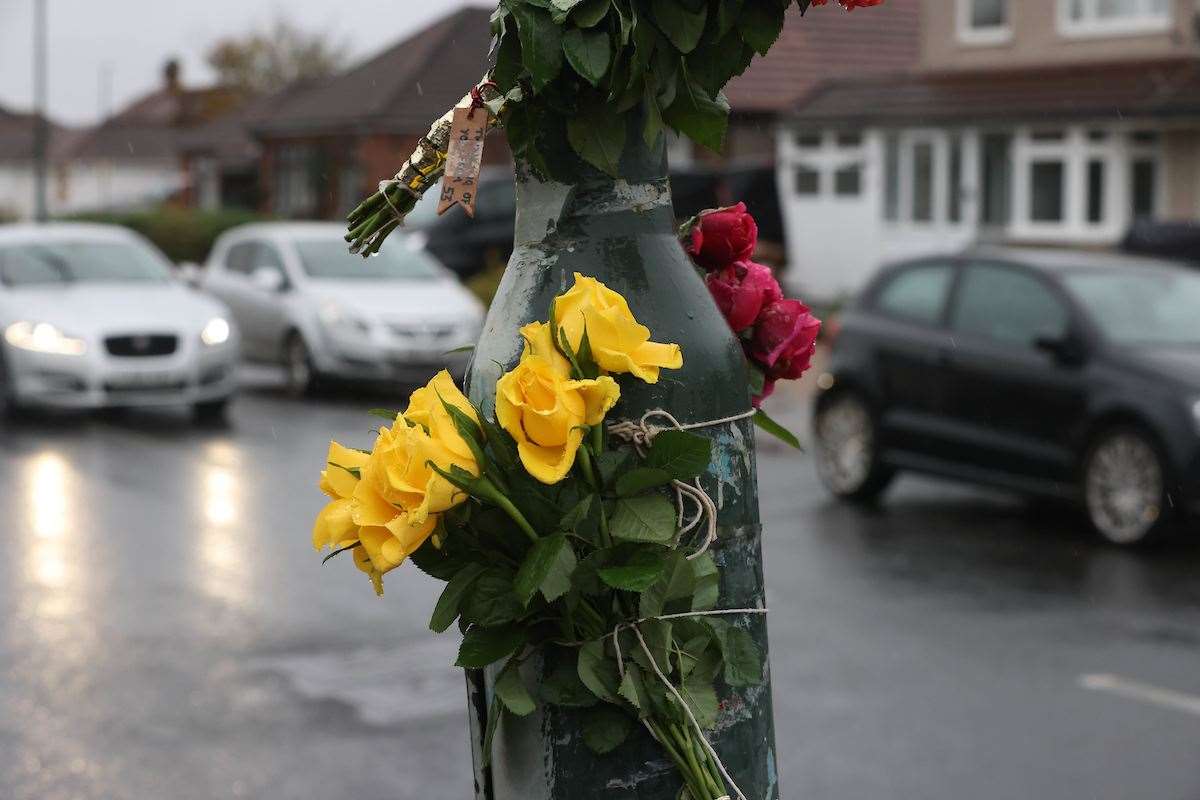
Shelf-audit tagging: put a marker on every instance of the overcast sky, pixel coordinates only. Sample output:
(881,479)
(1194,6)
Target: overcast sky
(130,39)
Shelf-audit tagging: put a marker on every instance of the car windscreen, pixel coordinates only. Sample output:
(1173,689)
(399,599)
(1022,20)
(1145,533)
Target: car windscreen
(329,259)
(1134,308)
(80,262)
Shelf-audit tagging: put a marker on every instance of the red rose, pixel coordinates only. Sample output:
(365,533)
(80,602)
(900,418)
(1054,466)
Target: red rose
(741,291)
(722,237)
(850,5)
(785,338)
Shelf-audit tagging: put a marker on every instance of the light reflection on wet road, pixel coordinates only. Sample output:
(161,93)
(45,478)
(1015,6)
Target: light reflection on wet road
(167,631)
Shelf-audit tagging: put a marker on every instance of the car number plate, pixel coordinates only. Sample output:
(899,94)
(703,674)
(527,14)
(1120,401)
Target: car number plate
(144,380)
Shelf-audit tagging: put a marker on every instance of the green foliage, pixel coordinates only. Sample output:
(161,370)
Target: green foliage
(182,234)
(649,518)
(547,568)
(512,690)
(599,63)
(481,646)
(605,728)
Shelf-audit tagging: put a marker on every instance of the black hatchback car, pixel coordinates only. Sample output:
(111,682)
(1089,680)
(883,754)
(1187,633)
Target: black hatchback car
(1061,373)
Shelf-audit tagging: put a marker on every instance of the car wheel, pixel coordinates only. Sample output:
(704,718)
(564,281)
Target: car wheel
(847,452)
(211,412)
(1125,487)
(297,366)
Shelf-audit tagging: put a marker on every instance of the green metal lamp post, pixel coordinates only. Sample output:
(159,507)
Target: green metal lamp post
(622,231)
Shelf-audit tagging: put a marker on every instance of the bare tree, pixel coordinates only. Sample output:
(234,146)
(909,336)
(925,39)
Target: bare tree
(268,60)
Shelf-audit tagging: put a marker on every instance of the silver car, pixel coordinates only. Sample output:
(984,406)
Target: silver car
(303,301)
(91,316)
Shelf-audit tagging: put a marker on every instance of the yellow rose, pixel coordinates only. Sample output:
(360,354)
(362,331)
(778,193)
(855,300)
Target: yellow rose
(384,549)
(334,526)
(619,342)
(425,409)
(397,477)
(545,411)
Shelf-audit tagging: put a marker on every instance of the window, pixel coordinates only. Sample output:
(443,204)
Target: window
(891,177)
(1008,306)
(240,257)
(808,140)
(917,293)
(847,181)
(1046,191)
(1144,188)
(954,181)
(922,184)
(849,140)
(1113,17)
(808,181)
(983,21)
(1095,191)
(295,181)
(996,165)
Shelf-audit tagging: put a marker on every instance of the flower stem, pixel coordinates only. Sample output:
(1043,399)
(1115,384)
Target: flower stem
(499,499)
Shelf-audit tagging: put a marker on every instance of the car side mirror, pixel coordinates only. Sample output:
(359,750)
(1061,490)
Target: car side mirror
(269,279)
(1067,349)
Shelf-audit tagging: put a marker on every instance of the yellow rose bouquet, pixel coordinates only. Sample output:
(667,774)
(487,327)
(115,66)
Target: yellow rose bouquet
(559,533)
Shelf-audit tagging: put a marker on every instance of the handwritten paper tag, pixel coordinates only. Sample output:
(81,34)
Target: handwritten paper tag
(463,159)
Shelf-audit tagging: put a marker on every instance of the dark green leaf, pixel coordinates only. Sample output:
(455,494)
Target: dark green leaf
(446,610)
(598,672)
(590,12)
(639,574)
(501,446)
(644,519)
(679,24)
(757,379)
(489,732)
(708,583)
(701,697)
(633,689)
(690,653)
(562,687)
(541,43)
(467,428)
(640,479)
(482,646)
(605,728)
(763,421)
(589,53)
(598,136)
(578,513)
(743,659)
(803,5)
(560,9)
(491,601)
(680,454)
(760,23)
(384,413)
(612,463)
(512,691)
(699,116)
(657,634)
(548,567)
(677,582)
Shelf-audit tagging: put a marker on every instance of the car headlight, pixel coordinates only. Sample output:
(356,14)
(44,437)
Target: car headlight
(215,332)
(335,317)
(42,337)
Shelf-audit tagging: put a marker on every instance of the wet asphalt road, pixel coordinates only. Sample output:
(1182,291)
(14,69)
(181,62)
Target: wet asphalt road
(166,631)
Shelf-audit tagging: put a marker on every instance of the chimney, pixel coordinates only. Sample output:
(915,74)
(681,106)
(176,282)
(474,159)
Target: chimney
(171,75)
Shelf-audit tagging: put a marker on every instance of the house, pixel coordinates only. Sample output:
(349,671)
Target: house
(17,163)
(132,159)
(327,146)
(1055,122)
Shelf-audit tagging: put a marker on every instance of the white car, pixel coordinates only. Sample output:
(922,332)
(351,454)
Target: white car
(304,301)
(91,316)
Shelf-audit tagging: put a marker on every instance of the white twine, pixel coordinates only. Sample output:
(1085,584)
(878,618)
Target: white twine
(642,432)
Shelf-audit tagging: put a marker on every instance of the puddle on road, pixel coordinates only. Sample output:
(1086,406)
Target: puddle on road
(385,685)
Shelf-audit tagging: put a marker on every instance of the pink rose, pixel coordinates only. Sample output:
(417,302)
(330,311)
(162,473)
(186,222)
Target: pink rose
(785,338)
(741,290)
(722,237)
(850,5)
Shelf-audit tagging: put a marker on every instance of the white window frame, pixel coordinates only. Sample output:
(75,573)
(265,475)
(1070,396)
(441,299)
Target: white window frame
(969,34)
(825,159)
(1075,150)
(1094,26)
(939,140)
